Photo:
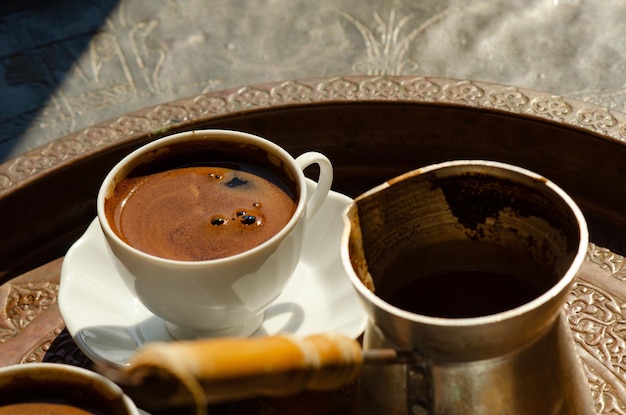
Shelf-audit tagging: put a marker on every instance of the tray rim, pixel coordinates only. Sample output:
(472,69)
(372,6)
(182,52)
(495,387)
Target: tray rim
(153,122)
(166,118)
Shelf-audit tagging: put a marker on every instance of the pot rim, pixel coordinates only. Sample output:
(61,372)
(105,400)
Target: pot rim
(558,290)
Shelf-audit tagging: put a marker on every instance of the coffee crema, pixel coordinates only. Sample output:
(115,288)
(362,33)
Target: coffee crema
(198,213)
(42,408)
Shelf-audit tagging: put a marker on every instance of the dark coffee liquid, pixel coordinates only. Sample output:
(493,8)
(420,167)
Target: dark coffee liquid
(199,213)
(463,294)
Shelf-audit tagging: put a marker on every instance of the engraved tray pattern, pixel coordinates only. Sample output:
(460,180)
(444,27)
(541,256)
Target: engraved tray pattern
(31,328)
(595,312)
(594,309)
(184,113)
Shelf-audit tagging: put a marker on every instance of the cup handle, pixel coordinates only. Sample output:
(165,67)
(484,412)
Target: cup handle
(324,181)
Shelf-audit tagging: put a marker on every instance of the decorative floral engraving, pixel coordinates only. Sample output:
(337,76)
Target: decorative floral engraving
(389,42)
(464,91)
(95,136)
(510,99)
(357,88)
(250,97)
(165,116)
(607,260)
(26,166)
(386,45)
(603,393)
(5,181)
(292,92)
(598,326)
(37,353)
(381,88)
(622,131)
(597,119)
(64,149)
(23,304)
(420,88)
(340,88)
(97,99)
(553,107)
(597,320)
(130,124)
(204,105)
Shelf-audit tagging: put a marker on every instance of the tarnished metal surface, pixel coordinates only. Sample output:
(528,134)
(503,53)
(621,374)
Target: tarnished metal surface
(65,64)
(427,240)
(30,327)
(369,113)
(82,70)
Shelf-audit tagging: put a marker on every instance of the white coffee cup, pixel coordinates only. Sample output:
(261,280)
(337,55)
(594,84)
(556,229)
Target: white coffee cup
(61,384)
(225,296)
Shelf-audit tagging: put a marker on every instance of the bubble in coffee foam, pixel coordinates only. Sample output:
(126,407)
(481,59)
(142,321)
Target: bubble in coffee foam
(250,219)
(218,220)
(241,215)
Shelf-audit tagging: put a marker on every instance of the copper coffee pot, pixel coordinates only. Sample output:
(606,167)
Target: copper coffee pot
(459,242)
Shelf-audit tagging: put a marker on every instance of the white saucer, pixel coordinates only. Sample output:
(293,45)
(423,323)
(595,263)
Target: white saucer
(108,323)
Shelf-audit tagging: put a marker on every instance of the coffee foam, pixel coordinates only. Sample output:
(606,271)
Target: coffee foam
(198,213)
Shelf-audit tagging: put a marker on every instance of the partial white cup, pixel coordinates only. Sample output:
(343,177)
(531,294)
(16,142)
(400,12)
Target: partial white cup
(62,384)
(225,296)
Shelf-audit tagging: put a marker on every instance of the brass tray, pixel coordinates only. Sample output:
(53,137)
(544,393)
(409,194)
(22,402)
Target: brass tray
(372,128)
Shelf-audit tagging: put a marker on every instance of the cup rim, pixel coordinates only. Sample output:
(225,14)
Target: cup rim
(555,290)
(62,369)
(193,135)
